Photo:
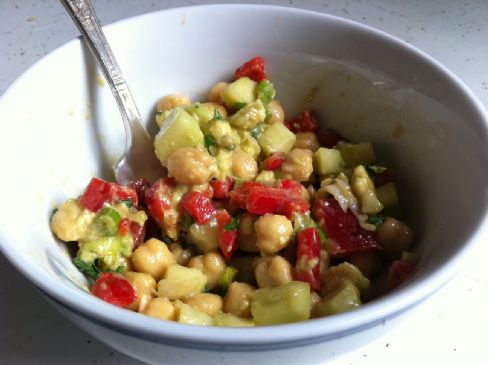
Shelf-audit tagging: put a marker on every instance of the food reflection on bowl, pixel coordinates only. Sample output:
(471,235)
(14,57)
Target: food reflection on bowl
(362,83)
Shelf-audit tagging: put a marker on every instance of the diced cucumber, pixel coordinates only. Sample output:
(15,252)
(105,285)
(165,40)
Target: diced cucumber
(222,133)
(249,143)
(224,163)
(335,275)
(281,304)
(203,112)
(180,282)
(357,154)
(249,116)
(363,188)
(230,320)
(241,91)
(387,195)
(161,117)
(327,161)
(179,130)
(276,138)
(344,298)
(189,315)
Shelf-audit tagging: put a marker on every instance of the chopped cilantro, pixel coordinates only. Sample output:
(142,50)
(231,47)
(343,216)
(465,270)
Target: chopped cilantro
(256,132)
(232,225)
(120,270)
(377,219)
(128,203)
(88,268)
(209,141)
(227,277)
(217,115)
(239,105)
(266,91)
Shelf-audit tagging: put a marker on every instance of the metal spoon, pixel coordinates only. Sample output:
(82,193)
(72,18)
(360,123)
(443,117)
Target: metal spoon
(139,159)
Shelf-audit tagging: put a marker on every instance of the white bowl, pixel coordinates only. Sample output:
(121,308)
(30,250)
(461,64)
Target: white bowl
(60,126)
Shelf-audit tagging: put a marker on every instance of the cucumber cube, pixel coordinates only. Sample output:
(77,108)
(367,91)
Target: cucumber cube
(276,138)
(242,91)
(357,154)
(327,161)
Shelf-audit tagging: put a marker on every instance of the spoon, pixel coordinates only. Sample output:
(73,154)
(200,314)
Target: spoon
(139,159)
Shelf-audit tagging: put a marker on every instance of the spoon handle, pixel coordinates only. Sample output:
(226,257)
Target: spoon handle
(138,142)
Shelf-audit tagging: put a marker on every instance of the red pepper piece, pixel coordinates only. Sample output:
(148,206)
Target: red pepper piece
(255,69)
(345,235)
(158,201)
(398,273)
(221,188)
(304,122)
(307,267)
(100,191)
(227,238)
(124,226)
(293,206)
(114,289)
(198,206)
(293,187)
(330,139)
(239,195)
(264,199)
(274,161)
(138,232)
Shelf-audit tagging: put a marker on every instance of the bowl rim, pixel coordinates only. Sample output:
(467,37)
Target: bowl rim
(322,328)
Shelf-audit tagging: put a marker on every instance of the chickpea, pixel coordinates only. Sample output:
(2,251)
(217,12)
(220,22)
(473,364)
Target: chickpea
(237,300)
(181,255)
(273,272)
(160,308)
(171,101)
(307,140)
(191,166)
(298,164)
(204,236)
(214,93)
(145,287)
(212,264)
(394,236)
(71,221)
(277,112)
(247,234)
(210,304)
(244,166)
(152,257)
(273,233)
(368,262)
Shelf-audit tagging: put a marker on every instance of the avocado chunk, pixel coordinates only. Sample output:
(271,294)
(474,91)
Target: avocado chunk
(240,92)
(281,304)
(179,130)
(110,250)
(276,138)
(249,116)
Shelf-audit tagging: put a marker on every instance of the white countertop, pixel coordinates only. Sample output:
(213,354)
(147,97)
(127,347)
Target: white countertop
(449,328)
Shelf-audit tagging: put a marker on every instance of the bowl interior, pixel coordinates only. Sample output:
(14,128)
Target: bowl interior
(60,125)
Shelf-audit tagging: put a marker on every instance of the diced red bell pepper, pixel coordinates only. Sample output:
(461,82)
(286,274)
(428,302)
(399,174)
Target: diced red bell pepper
(304,122)
(293,187)
(158,199)
(330,138)
(239,195)
(124,226)
(221,188)
(265,199)
(255,69)
(114,289)
(140,187)
(138,233)
(307,267)
(198,206)
(345,235)
(274,161)
(227,238)
(398,273)
(99,192)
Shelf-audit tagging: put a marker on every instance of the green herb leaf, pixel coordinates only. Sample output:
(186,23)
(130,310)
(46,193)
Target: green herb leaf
(268,114)
(233,225)
(256,132)
(120,270)
(227,277)
(239,105)
(209,141)
(128,203)
(377,219)
(107,221)
(88,268)
(217,115)
(266,91)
